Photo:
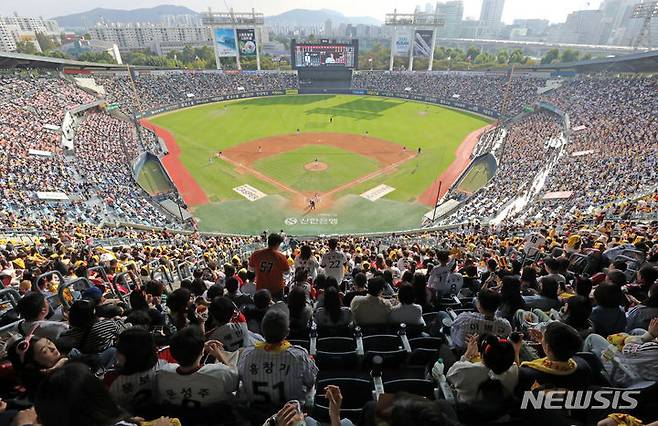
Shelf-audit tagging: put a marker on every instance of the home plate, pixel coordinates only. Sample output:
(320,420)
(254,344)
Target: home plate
(377,192)
(249,192)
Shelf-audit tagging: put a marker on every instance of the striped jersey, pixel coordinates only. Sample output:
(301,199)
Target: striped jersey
(209,384)
(276,377)
(468,323)
(133,390)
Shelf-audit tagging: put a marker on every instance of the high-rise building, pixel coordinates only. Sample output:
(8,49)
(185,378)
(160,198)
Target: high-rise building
(328,30)
(429,8)
(491,13)
(583,27)
(452,13)
(7,42)
(160,39)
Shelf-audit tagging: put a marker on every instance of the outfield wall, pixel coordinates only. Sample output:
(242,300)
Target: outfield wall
(244,95)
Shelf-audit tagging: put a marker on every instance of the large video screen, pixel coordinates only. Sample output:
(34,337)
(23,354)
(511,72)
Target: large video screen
(321,55)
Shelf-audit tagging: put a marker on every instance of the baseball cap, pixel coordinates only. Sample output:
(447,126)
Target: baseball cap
(93,293)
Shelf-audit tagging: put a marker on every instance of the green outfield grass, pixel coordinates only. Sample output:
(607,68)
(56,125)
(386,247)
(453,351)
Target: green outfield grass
(152,178)
(202,131)
(476,178)
(343,167)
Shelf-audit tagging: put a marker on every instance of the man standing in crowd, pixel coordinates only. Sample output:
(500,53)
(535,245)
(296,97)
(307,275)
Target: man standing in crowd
(270,265)
(334,261)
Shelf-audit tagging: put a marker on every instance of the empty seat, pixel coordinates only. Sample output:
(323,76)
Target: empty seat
(356,393)
(336,352)
(388,346)
(421,387)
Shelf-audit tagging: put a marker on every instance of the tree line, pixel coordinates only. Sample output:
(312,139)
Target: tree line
(376,58)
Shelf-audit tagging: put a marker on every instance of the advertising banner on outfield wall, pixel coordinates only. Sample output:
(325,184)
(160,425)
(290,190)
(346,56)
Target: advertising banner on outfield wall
(224,39)
(246,42)
(423,43)
(402,43)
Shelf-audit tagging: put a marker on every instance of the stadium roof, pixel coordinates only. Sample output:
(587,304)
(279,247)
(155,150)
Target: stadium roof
(21,60)
(634,62)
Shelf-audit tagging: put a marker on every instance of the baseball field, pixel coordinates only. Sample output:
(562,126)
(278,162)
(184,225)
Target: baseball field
(314,164)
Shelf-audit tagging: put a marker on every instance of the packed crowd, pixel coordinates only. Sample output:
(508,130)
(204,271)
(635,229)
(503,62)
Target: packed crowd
(493,92)
(103,139)
(610,153)
(615,155)
(94,176)
(160,89)
(529,146)
(227,340)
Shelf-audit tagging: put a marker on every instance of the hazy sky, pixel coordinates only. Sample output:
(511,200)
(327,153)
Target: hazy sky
(553,10)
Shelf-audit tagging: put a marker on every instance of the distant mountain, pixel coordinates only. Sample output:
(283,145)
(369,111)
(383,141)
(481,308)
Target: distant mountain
(306,17)
(90,18)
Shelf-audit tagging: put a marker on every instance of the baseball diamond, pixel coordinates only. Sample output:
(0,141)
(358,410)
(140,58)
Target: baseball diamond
(327,147)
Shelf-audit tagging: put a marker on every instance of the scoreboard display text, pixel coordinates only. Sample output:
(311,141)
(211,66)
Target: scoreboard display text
(330,55)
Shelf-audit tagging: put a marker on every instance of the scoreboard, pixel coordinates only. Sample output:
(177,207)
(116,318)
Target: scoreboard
(325,54)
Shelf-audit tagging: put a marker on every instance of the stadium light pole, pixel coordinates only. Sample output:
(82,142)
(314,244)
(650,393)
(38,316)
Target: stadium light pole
(411,22)
(236,21)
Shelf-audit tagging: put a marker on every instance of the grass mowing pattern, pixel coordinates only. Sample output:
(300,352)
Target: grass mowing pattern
(343,167)
(202,131)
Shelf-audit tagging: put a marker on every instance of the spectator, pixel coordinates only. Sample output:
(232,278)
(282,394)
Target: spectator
(607,316)
(270,265)
(132,384)
(190,382)
(360,289)
(547,298)
(558,369)
(480,322)
(332,313)
(407,311)
(34,308)
(371,309)
(281,372)
(487,371)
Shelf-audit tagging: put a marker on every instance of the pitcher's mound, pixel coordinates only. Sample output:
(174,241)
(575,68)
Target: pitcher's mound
(315,166)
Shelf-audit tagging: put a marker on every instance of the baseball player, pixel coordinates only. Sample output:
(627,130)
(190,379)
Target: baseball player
(334,261)
(275,371)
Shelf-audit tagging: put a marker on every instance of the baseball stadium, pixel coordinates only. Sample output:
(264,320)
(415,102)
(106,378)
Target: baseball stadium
(268,159)
(335,232)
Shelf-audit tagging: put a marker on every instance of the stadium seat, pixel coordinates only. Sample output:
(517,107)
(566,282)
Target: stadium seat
(356,393)
(421,387)
(336,352)
(301,342)
(388,346)
(424,350)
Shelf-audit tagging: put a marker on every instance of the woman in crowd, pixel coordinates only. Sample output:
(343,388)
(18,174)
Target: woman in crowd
(132,384)
(422,294)
(488,371)
(33,359)
(300,311)
(333,313)
(89,337)
(510,298)
(407,311)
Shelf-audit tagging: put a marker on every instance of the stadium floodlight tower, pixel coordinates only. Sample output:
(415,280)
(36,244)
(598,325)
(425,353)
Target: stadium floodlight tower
(414,34)
(646,11)
(235,34)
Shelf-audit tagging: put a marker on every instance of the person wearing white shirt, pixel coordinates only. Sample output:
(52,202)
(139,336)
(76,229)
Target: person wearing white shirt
(334,261)
(192,383)
(487,371)
(307,261)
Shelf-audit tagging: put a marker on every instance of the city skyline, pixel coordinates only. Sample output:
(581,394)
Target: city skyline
(554,11)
